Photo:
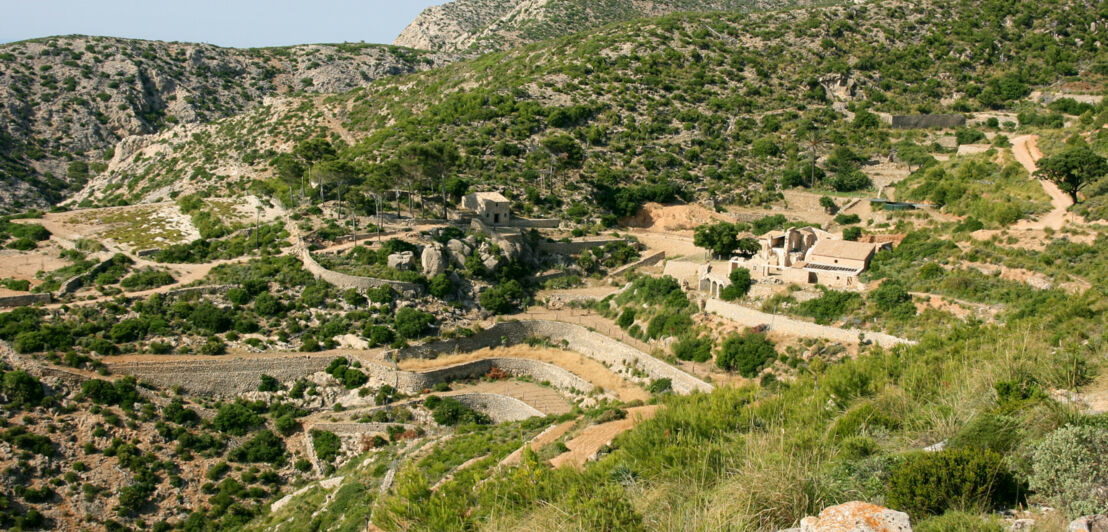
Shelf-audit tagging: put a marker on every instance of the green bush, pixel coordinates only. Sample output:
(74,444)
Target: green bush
(146,280)
(747,353)
(21,389)
(953,479)
(269,384)
(660,386)
(852,233)
(235,419)
(739,287)
(693,348)
(501,298)
(265,447)
(847,219)
(832,305)
(990,431)
(327,445)
(1069,468)
(411,323)
(450,412)
(440,286)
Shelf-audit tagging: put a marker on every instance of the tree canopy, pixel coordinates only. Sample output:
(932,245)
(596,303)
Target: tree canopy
(1072,169)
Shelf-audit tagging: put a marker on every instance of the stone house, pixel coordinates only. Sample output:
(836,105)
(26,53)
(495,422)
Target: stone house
(492,207)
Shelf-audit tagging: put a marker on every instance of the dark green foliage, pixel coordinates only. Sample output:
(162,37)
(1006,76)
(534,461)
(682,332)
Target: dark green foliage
(955,479)
(968,136)
(625,201)
(660,386)
(267,305)
(19,437)
(501,298)
(411,323)
(326,445)
(666,325)
(1072,169)
(891,297)
(211,318)
(747,353)
(121,392)
(829,307)
(845,219)
(146,280)
(994,432)
(626,318)
(379,334)
(739,287)
(450,412)
(269,384)
(693,348)
(236,419)
(852,233)
(265,447)
(440,286)
(722,239)
(21,390)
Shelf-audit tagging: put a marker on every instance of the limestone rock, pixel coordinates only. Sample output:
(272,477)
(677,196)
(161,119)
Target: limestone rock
(1020,525)
(432,260)
(1089,523)
(458,251)
(857,516)
(402,261)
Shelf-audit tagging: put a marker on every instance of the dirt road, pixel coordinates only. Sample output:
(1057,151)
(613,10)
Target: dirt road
(585,445)
(1025,149)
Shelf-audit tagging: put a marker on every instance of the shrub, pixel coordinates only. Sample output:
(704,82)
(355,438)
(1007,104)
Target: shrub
(440,286)
(450,412)
(626,318)
(1070,470)
(666,325)
(326,444)
(830,306)
(747,353)
(235,419)
(21,389)
(850,181)
(890,295)
(847,219)
(267,305)
(660,386)
(739,287)
(145,280)
(379,335)
(693,348)
(852,233)
(502,298)
(264,447)
(269,384)
(988,431)
(412,323)
(953,479)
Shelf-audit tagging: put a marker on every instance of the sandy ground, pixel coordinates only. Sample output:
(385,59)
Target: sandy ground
(672,217)
(586,444)
(575,363)
(546,437)
(23,265)
(1025,148)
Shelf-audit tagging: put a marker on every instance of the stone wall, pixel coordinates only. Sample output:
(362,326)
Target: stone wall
(345,282)
(221,376)
(528,223)
(928,121)
(649,260)
(619,357)
(75,283)
(414,382)
(500,408)
(793,327)
(25,300)
(574,247)
(343,429)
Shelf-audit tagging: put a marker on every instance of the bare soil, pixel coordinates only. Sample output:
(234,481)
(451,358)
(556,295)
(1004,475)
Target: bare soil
(586,444)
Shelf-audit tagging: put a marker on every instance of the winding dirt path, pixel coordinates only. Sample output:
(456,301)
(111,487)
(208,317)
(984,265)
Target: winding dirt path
(583,447)
(1025,149)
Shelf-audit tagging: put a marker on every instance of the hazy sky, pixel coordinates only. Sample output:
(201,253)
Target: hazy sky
(239,23)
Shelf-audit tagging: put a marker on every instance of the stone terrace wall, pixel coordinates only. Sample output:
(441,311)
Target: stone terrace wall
(414,382)
(500,408)
(620,357)
(575,246)
(222,376)
(345,282)
(25,300)
(649,260)
(358,428)
(785,325)
(527,223)
(928,121)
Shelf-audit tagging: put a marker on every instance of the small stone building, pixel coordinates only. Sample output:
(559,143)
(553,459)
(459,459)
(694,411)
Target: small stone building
(492,207)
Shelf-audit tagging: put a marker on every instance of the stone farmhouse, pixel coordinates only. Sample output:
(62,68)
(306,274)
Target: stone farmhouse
(807,255)
(491,207)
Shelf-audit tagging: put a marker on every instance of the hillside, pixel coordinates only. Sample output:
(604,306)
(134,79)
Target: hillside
(68,100)
(474,27)
(729,108)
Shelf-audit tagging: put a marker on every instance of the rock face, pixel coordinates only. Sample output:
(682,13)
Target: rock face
(1089,523)
(79,96)
(402,261)
(458,251)
(432,260)
(473,27)
(857,517)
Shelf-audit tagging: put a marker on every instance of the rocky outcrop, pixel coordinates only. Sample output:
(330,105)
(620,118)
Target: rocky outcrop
(856,517)
(80,96)
(473,27)
(1089,523)
(432,260)
(402,260)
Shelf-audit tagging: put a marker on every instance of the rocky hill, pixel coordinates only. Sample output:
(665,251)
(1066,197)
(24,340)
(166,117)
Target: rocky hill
(723,107)
(66,101)
(473,27)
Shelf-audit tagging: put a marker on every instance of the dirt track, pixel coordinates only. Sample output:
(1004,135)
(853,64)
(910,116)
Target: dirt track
(586,444)
(1025,149)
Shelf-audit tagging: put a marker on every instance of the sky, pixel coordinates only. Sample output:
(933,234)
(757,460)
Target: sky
(233,23)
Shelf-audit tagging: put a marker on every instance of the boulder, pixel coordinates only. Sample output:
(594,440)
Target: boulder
(1089,523)
(458,251)
(857,516)
(402,261)
(491,263)
(433,261)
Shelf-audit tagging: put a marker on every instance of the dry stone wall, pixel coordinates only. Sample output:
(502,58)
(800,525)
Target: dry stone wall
(618,356)
(500,408)
(222,376)
(414,382)
(346,282)
(928,121)
(785,325)
(24,300)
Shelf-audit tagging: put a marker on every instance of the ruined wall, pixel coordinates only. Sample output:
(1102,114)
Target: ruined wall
(649,260)
(25,300)
(222,376)
(414,382)
(574,247)
(345,282)
(785,325)
(619,357)
(928,121)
